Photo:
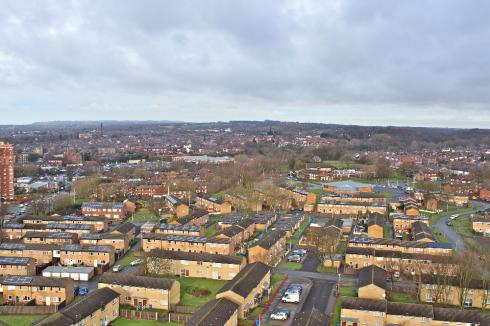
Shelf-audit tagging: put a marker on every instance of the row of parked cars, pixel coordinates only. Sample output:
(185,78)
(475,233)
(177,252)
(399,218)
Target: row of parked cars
(291,295)
(297,255)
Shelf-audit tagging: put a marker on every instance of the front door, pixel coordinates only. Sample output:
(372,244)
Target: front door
(215,275)
(48,301)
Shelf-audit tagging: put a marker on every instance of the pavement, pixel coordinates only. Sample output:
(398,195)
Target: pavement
(449,232)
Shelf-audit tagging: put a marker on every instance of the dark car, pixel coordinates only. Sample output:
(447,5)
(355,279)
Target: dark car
(449,223)
(83,291)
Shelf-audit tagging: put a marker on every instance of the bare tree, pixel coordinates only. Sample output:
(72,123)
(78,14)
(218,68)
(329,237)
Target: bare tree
(156,262)
(465,274)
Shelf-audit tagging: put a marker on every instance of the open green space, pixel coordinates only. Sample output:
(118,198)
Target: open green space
(452,210)
(20,320)
(292,266)
(276,279)
(336,313)
(462,225)
(349,289)
(322,269)
(141,322)
(401,297)
(195,292)
(127,259)
(440,237)
(144,215)
(386,231)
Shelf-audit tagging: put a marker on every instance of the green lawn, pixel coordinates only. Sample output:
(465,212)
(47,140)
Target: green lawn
(127,259)
(401,297)
(123,322)
(439,235)
(349,289)
(144,215)
(462,225)
(339,164)
(386,231)
(292,266)
(336,313)
(20,320)
(189,284)
(452,210)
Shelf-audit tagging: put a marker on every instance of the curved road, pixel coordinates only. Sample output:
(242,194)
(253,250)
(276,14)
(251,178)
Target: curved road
(449,232)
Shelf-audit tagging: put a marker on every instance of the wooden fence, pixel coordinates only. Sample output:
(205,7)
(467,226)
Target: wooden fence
(154,315)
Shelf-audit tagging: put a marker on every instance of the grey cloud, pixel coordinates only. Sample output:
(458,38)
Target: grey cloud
(332,61)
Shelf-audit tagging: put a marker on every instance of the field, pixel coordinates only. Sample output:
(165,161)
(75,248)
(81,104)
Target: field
(127,259)
(196,292)
(349,289)
(20,320)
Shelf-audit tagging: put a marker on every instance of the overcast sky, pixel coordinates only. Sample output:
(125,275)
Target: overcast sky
(421,63)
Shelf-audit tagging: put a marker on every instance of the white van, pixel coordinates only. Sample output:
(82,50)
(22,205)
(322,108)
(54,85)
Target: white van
(291,297)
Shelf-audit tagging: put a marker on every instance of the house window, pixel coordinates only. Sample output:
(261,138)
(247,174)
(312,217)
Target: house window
(468,302)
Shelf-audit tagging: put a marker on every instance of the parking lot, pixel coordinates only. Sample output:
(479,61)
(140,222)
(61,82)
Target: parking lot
(292,307)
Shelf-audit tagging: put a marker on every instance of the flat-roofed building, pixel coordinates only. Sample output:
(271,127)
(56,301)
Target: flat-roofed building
(21,266)
(218,312)
(191,264)
(213,245)
(43,253)
(112,211)
(247,287)
(268,250)
(348,187)
(143,292)
(100,223)
(42,291)
(91,256)
(98,308)
(76,273)
(58,238)
(118,241)
(192,230)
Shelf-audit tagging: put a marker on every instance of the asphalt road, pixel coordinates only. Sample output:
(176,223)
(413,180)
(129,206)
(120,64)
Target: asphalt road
(449,232)
(310,263)
(320,295)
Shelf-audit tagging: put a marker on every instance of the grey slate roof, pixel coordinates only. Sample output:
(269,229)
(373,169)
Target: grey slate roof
(137,281)
(247,279)
(214,313)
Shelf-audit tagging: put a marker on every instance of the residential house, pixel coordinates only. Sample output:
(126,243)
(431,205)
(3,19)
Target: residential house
(20,266)
(217,312)
(112,211)
(91,256)
(191,264)
(196,218)
(268,250)
(37,290)
(58,238)
(375,227)
(44,254)
(247,288)
(372,283)
(213,245)
(141,291)
(213,204)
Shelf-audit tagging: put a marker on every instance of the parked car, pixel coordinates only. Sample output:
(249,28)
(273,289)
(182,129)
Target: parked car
(449,223)
(299,252)
(294,258)
(83,291)
(136,262)
(280,314)
(292,297)
(117,268)
(295,288)
(452,217)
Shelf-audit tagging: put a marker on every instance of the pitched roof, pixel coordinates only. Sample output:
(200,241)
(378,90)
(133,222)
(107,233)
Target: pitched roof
(76,311)
(363,304)
(372,275)
(270,239)
(124,228)
(409,309)
(137,281)
(247,279)
(376,219)
(214,313)
(231,231)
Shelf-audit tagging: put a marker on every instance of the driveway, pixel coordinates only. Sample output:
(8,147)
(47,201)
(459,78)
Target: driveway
(310,263)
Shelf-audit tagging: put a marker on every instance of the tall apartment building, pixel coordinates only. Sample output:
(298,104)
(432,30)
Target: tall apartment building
(6,171)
